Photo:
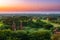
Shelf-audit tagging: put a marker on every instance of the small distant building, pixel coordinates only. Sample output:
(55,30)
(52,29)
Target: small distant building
(56,30)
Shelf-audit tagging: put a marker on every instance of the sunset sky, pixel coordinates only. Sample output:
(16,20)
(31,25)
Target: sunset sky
(29,5)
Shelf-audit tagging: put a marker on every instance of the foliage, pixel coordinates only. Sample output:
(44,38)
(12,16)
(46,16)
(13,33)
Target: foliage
(48,26)
(37,24)
(32,28)
(5,27)
(25,35)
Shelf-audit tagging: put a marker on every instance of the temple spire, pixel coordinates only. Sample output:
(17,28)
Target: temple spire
(13,26)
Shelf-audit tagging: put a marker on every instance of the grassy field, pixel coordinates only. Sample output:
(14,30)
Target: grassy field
(54,24)
(1,24)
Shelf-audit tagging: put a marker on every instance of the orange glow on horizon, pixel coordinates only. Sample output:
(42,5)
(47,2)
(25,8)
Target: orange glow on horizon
(27,7)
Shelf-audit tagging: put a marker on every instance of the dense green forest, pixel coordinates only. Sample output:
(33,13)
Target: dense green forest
(28,27)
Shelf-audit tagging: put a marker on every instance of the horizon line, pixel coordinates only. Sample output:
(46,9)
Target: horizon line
(30,12)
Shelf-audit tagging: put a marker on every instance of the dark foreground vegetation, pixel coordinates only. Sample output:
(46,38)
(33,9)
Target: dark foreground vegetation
(26,28)
(25,35)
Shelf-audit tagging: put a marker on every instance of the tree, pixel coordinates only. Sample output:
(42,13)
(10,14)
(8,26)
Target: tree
(48,26)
